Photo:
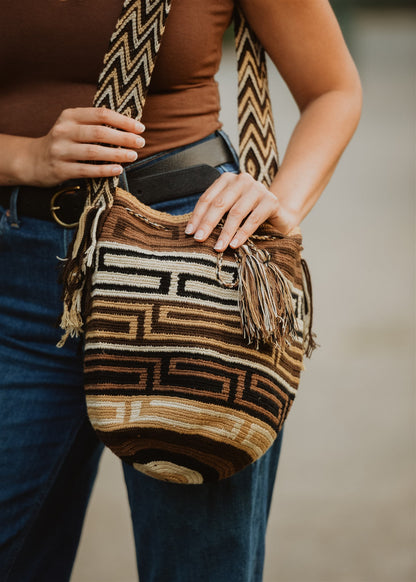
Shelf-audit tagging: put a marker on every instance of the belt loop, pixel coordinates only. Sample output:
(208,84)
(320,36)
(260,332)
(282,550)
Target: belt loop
(13,217)
(230,146)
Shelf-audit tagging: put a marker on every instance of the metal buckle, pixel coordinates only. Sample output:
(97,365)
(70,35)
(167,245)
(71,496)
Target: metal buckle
(54,208)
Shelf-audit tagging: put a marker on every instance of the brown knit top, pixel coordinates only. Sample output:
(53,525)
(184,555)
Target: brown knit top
(51,54)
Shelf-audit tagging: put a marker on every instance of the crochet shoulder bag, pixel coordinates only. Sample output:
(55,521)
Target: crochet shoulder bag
(192,357)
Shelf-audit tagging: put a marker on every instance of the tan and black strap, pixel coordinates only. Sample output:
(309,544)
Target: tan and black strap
(258,151)
(128,66)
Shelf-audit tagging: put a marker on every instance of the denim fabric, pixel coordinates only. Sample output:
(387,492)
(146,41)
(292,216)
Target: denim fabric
(49,453)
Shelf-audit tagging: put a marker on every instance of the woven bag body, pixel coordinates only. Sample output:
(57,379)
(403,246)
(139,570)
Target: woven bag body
(192,358)
(172,386)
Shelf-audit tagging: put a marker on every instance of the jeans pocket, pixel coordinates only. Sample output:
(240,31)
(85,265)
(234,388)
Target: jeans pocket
(4,225)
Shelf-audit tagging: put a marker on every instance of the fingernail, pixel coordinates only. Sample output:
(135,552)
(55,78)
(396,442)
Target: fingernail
(189,229)
(219,246)
(117,170)
(132,156)
(199,234)
(140,142)
(234,242)
(140,126)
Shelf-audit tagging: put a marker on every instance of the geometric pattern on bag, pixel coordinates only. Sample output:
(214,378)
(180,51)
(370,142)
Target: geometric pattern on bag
(172,386)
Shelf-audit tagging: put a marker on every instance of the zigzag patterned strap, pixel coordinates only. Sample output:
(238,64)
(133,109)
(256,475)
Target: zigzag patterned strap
(128,66)
(258,151)
(123,85)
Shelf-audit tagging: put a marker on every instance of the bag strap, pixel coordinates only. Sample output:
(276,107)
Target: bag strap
(257,141)
(128,66)
(123,85)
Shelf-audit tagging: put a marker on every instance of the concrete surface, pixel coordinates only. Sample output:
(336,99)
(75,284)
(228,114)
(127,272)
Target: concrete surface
(344,505)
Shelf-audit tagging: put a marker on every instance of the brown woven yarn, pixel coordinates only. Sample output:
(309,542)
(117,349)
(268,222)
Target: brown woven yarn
(173,387)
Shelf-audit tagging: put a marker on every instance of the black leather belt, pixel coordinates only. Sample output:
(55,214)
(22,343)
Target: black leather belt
(187,172)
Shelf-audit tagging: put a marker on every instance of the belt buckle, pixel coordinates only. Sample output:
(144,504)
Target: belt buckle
(54,207)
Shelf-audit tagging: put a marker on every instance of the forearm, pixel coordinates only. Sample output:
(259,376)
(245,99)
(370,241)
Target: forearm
(324,129)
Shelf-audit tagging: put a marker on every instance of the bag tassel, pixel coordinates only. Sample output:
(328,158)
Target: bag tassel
(266,304)
(78,266)
(309,337)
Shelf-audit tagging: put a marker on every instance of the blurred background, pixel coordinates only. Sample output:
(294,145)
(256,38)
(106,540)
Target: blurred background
(344,503)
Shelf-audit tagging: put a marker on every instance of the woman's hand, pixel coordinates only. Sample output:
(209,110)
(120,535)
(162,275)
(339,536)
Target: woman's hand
(75,140)
(248,204)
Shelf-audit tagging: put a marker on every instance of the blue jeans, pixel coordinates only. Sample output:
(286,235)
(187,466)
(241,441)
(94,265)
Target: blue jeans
(49,453)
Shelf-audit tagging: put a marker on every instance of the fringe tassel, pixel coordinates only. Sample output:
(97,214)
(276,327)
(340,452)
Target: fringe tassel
(266,304)
(89,253)
(309,337)
(77,268)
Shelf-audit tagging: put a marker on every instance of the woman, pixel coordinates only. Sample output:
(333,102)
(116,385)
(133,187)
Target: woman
(50,59)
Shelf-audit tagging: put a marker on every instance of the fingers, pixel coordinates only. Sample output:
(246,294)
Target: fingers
(79,136)
(82,135)
(101,134)
(93,170)
(90,126)
(212,206)
(102,116)
(93,152)
(247,202)
(61,170)
(233,234)
(235,237)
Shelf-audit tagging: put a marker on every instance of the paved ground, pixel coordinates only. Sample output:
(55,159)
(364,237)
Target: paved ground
(344,506)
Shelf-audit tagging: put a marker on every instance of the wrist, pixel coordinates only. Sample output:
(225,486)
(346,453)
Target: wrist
(289,218)
(15,160)
(24,163)
(289,214)
(293,204)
